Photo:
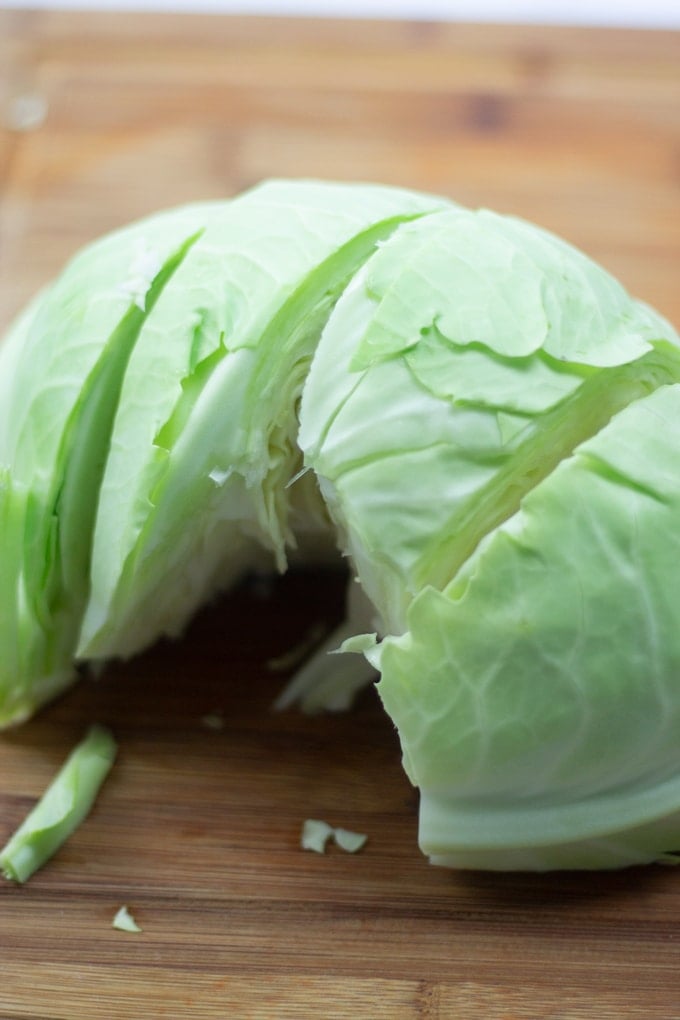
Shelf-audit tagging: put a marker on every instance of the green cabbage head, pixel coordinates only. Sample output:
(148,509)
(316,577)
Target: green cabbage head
(475,415)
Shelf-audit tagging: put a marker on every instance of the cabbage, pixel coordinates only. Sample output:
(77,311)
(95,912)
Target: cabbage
(124,921)
(62,807)
(316,834)
(480,418)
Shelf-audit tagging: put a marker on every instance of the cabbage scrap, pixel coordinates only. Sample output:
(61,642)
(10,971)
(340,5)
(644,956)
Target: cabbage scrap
(124,921)
(62,807)
(316,834)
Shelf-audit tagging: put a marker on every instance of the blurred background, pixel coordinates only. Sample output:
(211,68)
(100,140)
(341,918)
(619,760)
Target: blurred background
(567,113)
(657,13)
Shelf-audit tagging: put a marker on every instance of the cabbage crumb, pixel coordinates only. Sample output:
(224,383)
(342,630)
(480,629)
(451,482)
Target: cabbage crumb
(124,921)
(213,721)
(315,836)
(349,841)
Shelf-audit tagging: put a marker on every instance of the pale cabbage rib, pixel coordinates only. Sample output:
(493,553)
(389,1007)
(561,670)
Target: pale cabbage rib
(570,423)
(597,465)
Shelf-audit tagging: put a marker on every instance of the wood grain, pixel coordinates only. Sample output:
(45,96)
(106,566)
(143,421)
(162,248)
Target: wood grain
(197,830)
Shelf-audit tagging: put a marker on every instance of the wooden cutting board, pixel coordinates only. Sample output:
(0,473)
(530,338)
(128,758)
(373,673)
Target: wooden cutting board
(106,117)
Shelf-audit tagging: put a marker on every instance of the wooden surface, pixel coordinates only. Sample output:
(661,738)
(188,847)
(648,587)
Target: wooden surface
(197,830)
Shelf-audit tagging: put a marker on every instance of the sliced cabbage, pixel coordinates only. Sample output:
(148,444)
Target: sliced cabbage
(136,470)
(61,370)
(483,420)
(203,445)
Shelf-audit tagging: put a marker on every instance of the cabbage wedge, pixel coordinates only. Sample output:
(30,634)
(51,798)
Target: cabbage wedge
(61,370)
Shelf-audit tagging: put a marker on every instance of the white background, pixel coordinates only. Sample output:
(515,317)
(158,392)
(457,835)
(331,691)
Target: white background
(633,13)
